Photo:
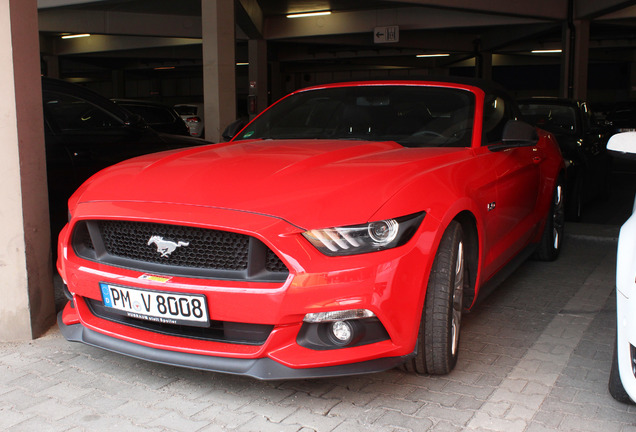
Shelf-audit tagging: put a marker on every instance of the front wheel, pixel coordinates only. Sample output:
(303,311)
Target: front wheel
(438,339)
(615,386)
(550,244)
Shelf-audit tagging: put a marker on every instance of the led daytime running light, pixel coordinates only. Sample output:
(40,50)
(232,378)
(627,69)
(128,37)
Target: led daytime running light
(338,315)
(343,238)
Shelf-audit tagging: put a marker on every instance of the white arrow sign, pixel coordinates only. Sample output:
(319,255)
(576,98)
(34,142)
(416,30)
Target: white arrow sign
(388,34)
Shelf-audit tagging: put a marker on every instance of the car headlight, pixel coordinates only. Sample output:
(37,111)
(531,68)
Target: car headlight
(364,238)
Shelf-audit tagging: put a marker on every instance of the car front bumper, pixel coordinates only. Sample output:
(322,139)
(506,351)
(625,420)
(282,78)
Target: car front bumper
(390,283)
(626,305)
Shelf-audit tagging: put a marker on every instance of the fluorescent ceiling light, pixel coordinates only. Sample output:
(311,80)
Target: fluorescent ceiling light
(432,55)
(73,36)
(308,14)
(546,51)
(242,64)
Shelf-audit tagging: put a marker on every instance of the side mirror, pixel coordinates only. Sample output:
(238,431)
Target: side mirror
(516,133)
(136,121)
(623,144)
(233,129)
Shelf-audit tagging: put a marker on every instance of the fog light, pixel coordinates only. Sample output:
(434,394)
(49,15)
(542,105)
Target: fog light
(341,332)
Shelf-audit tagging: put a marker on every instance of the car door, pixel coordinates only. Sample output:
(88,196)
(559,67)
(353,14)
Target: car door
(511,216)
(593,154)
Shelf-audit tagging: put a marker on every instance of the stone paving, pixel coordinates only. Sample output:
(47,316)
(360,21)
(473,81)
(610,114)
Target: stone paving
(535,356)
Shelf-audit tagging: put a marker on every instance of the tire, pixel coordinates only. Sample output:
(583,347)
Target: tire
(438,339)
(552,237)
(615,385)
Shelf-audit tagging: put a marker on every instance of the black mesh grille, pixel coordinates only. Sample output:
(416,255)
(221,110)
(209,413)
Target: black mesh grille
(273,263)
(177,250)
(200,248)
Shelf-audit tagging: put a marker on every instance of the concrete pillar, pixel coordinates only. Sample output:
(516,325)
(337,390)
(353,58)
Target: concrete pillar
(483,65)
(632,83)
(27,306)
(276,81)
(52,66)
(119,83)
(581,59)
(258,76)
(219,63)
(574,60)
(566,86)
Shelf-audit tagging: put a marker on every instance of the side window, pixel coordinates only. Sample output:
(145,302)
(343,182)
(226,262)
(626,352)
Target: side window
(496,115)
(67,113)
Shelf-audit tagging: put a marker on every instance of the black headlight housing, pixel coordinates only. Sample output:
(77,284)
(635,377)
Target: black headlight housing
(364,238)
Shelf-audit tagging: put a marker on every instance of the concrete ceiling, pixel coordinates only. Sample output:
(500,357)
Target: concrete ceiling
(144,33)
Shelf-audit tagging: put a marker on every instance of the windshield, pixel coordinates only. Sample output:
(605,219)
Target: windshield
(186,109)
(414,116)
(151,114)
(557,119)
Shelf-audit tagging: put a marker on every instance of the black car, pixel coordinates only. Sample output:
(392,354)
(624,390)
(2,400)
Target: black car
(161,118)
(622,117)
(582,144)
(85,132)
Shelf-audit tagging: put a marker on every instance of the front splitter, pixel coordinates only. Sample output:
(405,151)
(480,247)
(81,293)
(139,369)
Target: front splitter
(261,368)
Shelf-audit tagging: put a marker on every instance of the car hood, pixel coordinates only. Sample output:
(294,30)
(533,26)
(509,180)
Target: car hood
(311,183)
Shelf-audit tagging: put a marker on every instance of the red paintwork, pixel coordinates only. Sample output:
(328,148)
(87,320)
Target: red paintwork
(276,190)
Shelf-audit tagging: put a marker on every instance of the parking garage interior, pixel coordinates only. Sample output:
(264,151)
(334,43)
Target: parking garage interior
(237,57)
(243,55)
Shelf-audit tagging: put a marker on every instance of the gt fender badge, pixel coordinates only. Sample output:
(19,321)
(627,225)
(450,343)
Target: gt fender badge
(491,206)
(165,247)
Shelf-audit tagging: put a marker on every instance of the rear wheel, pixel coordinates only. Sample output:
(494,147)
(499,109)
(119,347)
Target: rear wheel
(550,244)
(438,339)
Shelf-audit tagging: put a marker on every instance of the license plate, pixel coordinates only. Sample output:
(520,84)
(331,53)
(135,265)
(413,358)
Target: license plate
(156,306)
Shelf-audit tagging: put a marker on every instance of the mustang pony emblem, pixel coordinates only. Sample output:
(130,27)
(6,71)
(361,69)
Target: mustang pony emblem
(165,247)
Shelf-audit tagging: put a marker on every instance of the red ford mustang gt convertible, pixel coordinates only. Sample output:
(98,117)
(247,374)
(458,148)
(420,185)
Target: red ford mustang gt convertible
(343,231)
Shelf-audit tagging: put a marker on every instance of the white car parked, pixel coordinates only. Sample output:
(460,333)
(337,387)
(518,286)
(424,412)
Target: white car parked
(622,381)
(192,115)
